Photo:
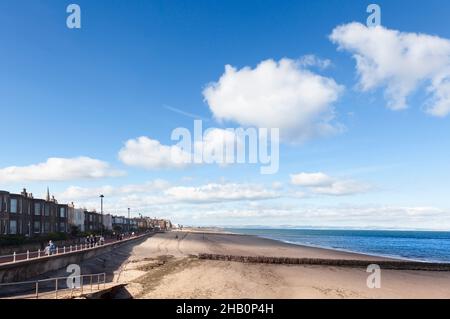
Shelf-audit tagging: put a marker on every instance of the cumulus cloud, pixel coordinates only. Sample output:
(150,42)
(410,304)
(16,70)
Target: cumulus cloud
(399,62)
(219,146)
(151,154)
(281,94)
(321,183)
(59,169)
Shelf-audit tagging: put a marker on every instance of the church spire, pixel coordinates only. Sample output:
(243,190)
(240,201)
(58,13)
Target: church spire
(48,194)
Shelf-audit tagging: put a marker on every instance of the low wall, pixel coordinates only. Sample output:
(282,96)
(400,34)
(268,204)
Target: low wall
(384,264)
(26,269)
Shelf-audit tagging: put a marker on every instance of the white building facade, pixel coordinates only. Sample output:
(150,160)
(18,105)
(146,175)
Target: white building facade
(76,218)
(108,222)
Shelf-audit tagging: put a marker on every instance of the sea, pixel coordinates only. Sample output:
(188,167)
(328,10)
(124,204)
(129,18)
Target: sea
(426,246)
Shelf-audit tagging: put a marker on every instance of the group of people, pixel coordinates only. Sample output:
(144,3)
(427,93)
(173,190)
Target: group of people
(121,236)
(95,240)
(91,240)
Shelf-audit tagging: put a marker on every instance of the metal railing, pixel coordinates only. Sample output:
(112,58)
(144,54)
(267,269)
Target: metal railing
(14,257)
(95,282)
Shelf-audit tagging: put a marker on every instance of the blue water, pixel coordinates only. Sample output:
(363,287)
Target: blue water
(432,246)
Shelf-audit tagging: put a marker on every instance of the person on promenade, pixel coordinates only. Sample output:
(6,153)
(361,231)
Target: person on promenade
(50,249)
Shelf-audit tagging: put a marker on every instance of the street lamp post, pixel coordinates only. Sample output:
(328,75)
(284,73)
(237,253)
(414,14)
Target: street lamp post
(101,210)
(129,221)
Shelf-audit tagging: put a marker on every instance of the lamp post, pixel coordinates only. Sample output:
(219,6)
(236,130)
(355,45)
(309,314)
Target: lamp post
(101,210)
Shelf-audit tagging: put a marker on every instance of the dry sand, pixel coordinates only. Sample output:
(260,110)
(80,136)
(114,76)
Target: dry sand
(163,266)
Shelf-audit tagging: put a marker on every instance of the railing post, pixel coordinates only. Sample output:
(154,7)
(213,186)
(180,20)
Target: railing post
(75,247)
(57,250)
(104,280)
(28,254)
(37,289)
(64,249)
(56,288)
(14,257)
(39,253)
(98,282)
(70,248)
(91,282)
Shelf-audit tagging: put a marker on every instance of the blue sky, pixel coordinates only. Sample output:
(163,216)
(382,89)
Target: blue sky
(66,93)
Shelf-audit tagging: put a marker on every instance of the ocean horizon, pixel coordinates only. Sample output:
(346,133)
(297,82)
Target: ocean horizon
(424,246)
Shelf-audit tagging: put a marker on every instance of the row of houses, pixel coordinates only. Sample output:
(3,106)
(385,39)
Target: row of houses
(22,214)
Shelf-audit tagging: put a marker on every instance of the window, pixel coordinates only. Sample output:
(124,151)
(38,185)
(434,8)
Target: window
(62,227)
(13,209)
(13,227)
(1,204)
(37,209)
(47,210)
(46,227)
(62,212)
(37,227)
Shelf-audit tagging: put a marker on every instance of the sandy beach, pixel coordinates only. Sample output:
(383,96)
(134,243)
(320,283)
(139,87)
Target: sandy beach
(166,266)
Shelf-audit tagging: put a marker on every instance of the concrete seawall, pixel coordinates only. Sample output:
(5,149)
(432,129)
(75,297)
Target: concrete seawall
(26,269)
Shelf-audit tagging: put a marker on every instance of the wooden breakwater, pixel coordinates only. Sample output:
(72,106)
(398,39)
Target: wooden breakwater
(384,264)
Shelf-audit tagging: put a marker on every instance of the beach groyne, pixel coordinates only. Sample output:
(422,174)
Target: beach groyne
(384,264)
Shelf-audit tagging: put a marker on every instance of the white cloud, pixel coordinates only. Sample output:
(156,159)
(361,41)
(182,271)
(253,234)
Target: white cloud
(312,60)
(310,179)
(252,204)
(158,192)
(320,183)
(215,143)
(220,192)
(217,146)
(81,193)
(400,62)
(344,187)
(282,95)
(59,169)
(342,216)
(151,154)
